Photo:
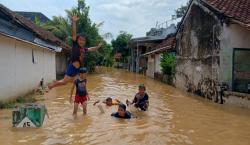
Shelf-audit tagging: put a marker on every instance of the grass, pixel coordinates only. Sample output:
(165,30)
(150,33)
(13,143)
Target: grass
(20,100)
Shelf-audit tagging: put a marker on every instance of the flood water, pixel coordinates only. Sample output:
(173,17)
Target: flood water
(173,118)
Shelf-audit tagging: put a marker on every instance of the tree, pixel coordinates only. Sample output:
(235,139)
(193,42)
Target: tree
(37,21)
(61,27)
(180,12)
(120,44)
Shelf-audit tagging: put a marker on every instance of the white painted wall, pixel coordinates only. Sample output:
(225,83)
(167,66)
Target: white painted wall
(158,63)
(233,36)
(150,67)
(18,74)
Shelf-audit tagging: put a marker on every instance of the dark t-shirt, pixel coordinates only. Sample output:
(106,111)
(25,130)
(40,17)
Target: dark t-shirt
(127,115)
(140,100)
(76,52)
(81,87)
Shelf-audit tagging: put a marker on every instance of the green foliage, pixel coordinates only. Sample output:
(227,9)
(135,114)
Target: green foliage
(37,21)
(168,63)
(120,44)
(61,27)
(180,12)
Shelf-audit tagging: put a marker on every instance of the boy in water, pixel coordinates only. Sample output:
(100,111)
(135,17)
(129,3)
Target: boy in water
(122,113)
(109,102)
(141,99)
(78,53)
(81,96)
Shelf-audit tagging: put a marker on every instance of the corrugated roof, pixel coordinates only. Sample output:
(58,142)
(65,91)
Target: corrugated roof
(40,32)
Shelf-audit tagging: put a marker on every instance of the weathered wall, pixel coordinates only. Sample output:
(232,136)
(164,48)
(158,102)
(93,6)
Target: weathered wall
(198,51)
(158,63)
(61,63)
(233,36)
(151,66)
(18,74)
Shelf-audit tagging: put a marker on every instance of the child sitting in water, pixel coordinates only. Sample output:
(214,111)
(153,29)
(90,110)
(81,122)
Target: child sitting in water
(122,113)
(141,99)
(81,95)
(109,101)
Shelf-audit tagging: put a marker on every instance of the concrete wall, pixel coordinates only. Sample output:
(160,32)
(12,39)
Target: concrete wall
(150,66)
(197,57)
(158,63)
(233,36)
(237,99)
(18,74)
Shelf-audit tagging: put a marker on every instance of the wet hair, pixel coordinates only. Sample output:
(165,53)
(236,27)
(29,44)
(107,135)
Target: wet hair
(108,99)
(142,86)
(83,70)
(123,106)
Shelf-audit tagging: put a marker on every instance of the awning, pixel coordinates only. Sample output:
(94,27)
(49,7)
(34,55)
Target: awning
(157,50)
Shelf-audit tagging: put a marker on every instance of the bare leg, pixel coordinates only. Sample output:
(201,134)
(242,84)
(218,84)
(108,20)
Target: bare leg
(62,82)
(75,109)
(84,108)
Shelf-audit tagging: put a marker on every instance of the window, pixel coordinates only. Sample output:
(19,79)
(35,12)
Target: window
(241,70)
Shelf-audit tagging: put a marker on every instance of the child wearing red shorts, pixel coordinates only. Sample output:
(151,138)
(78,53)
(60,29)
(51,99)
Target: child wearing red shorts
(81,95)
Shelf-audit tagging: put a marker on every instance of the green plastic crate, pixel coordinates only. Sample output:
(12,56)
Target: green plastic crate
(29,115)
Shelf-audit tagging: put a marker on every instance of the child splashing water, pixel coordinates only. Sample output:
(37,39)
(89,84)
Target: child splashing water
(81,95)
(109,102)
(78,53)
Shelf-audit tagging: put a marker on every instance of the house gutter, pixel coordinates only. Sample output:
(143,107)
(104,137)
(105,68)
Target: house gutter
(157,50)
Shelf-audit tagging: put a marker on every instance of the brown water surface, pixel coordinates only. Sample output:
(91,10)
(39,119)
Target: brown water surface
(173,118)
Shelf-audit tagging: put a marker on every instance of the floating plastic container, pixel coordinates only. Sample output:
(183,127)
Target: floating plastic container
(29,115)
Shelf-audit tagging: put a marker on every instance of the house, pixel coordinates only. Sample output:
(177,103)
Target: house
(154,57)
(141,45)
(62,57)
(27,54)
(33,15)
(213,49)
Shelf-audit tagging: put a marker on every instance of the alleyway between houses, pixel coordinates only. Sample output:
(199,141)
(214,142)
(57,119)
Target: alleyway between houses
(174,117)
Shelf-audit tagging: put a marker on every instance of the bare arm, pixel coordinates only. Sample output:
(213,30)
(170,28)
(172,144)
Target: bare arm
(92,49)
(118,101)
(96,102)
(74,20)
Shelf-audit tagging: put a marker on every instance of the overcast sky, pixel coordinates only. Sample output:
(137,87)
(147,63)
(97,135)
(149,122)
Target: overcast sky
(134,16)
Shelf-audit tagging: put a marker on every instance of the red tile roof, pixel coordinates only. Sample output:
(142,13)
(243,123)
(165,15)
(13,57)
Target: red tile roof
(236,9)
(167,44)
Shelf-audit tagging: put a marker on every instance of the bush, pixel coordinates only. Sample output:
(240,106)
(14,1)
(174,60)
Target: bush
(168,61)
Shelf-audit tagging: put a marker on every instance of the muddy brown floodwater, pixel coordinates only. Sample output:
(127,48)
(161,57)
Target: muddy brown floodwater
(173,118)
